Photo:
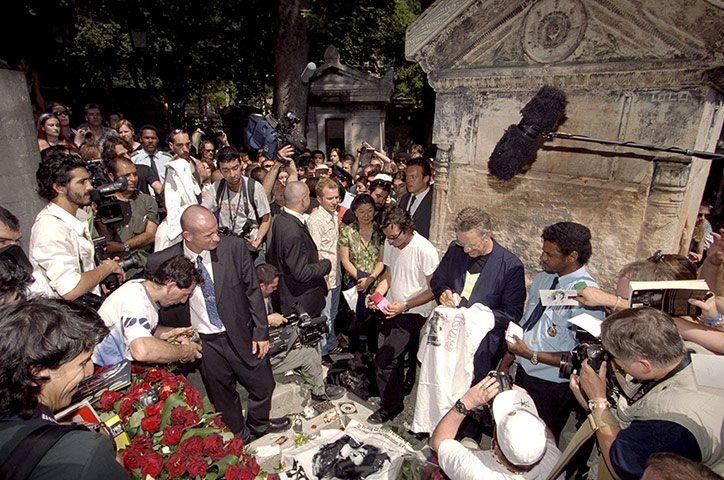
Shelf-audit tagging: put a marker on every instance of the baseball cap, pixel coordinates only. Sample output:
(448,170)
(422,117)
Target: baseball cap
(521,434)
(322,166)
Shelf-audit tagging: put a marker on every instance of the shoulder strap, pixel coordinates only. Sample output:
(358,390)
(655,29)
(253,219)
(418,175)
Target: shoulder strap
(26,455)
(250,190)
(219,192)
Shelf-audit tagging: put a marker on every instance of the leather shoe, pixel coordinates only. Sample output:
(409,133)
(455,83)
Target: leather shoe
(279,424)
(331,392)
(382,416)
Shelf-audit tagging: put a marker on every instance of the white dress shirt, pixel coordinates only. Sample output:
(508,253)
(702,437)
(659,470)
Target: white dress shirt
(197,304)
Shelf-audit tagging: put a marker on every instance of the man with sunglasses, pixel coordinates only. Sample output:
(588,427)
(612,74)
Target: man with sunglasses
(410,260)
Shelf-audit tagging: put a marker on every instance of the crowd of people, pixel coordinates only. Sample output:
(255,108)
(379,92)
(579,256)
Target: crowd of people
(144,239)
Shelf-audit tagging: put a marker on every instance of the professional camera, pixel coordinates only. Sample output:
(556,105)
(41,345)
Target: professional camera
(301,330)
(269,134)
(482,414)
(245,231)
(108,207)
(572,362)
(99,250)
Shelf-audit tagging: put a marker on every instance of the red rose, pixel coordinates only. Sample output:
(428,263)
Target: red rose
(178,415)
(236,446)
(151,464)
(136,368)
(164,391)
(272,476)
(108,399)
(171,382)
(253,466)
(214,446)
(154,374)
(192,396)
(154,409)
(151,424)
(217,422)
(176,464)
(131,458)
(238,472)
(190,418)
(172,435)
(197,466)
(192,445)
(142,442)
(125,408)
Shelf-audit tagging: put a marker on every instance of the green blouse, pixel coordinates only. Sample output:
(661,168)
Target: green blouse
(363,257)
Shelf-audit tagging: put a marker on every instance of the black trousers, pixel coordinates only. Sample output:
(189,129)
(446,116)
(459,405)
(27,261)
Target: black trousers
(221,367)
(399,331)
(554,401)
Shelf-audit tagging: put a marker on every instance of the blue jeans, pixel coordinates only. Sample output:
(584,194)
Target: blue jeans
(331,305)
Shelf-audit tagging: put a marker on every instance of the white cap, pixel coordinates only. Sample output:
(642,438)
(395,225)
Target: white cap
(383,176)
(322,166)
(521,434)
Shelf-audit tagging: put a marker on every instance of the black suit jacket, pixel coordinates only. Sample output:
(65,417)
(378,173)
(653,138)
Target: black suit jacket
(422,214)
(294,253)
(239,300)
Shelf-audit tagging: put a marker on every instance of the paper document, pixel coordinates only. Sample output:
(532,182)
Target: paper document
(588,322)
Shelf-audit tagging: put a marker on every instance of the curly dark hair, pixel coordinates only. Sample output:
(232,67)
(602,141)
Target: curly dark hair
(109,148)
(14,279)
(57,170)
(570,237)
(36,334)
(397,216)
(178,269)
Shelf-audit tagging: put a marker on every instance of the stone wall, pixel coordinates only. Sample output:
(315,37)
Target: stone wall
(19,156)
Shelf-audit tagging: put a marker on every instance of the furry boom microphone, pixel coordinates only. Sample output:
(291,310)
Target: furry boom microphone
(520,142)
(540,116)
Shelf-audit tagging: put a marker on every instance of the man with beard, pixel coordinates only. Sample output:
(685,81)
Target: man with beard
(548,334)
(61,248)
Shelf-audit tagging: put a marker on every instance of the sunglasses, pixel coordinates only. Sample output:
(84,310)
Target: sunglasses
(61,112)
(392,238)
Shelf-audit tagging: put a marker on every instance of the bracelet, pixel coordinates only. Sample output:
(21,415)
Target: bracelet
(713,321)
(598,404)
(618,299)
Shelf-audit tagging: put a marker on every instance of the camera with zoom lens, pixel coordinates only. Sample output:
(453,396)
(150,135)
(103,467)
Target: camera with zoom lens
(301,330)
(482,414)
(132,261)
(108,207)
(245,231)
(572,362)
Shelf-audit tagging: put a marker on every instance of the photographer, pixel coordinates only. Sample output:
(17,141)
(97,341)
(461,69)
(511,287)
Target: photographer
(132,236)
(47,344)
(306,359)
(664,409)
(61,249)
(523,447)
(239,203)
(131,313)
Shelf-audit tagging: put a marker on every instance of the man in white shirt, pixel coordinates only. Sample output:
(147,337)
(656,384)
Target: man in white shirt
(131,314)
(410,260)
(523,447)
(150,155)
(323,228)
(61,248)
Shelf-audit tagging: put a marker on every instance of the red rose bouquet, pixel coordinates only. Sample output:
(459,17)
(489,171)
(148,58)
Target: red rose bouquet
(179,436)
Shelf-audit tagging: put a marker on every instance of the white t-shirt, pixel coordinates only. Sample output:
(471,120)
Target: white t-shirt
(461,463)
(130,313)
(231,209)
(409,269)
(449,342)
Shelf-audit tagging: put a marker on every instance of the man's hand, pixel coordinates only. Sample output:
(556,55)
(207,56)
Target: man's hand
(260,348)
(394,308)
(595,297)
(275,319)
(708,307)
(448,298)
(519,347)
(286,152)
(364,283)
(255,243)
(715,253)
(172,332)
(192,351)
(115,268)
(575,386)
(223,138)
(593,384)
(481,393)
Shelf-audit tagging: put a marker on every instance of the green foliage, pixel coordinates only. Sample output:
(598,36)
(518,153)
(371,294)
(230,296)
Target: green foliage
(369,34)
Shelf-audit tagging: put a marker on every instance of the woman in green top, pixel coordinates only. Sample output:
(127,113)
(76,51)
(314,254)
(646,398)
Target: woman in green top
(361,245)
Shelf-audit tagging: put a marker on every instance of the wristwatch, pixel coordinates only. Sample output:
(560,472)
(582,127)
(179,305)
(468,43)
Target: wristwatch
(460,408)
(407,307)
(534,358)
(126,248)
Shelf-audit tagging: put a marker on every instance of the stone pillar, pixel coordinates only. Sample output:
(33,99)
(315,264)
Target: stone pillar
(438,230)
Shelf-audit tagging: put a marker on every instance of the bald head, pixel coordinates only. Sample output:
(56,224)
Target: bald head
(296,196)
(195,217)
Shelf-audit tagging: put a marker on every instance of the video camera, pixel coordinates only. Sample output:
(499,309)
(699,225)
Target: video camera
(269,134)
(301,330)
(108,207)
(99,254)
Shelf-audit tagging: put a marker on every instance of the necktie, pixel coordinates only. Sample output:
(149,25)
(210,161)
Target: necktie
(538,312)
(412,202)
(207,288)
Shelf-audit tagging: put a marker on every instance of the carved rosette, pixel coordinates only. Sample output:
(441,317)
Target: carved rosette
(552,30)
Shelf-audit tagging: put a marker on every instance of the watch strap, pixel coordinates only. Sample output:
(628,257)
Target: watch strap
(460,408)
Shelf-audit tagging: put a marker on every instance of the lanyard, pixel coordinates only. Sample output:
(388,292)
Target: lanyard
(242,195)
